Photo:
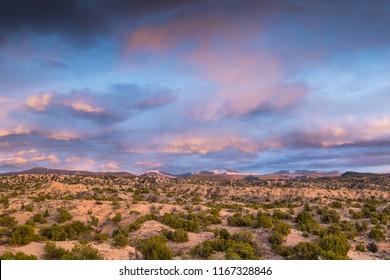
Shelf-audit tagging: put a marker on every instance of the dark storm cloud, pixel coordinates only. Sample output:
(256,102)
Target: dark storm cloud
(79,21)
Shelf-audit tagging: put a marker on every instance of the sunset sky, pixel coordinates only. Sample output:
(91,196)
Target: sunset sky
(253,86)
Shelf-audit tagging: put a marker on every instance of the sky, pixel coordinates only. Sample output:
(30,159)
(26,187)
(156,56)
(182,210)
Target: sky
(179,86)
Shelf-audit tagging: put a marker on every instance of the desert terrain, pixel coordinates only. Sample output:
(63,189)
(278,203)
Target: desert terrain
(115,217)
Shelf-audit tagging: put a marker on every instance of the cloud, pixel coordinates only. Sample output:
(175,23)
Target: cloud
(50,158)
(65,136)
(27,152)
(80,163)
(39,102)
(110,165)
(12,161)
(17,131)
(83,107)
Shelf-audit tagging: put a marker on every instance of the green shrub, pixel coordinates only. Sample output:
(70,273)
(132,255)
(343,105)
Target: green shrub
(7,221)
(156,249)
(94,221)
(133,227)
(120,238)
(52,252)
(64,215)
(243,236)
(179,235)
(329,215)
(360,247)
(243,250)
(377,234)
(276,238)
(306,222)
(78,252)
(46,214)
(283,228)
(28,208)
(263,221)
(336,204)
(83,252)
(17,256)
(72,231)
(174,222)
(305,251)
(117,218)
(203,250)
(238,220)
(334,246)
(101,237)
(37,218)
(22,235)
(281,215)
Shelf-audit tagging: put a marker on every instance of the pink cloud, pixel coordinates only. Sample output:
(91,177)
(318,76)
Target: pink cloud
(83,107)
(110,165)
(17,131)
(39,102)
(66,136)
(13,161)
(51,158)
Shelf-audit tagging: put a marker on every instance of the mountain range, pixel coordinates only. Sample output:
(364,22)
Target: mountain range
(286,174)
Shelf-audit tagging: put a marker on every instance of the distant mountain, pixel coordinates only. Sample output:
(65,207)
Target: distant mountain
(221,172)
(356,174)
(308,173)
(42,170)
(159,173)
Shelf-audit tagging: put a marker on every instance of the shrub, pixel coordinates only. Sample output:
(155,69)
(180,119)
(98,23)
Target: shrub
(386,210)
(336,204)
(203,250)
(329,216)
(17,256)
(83,252)
(120,238)
(28,208)
(281,215)
(306,222)
(372,247)
(283,228)
(22,235)
(133,227)
(263,221)
(78,252)
(276,238)
(156,249)
(7,221)
(64,215)
(101,237)
(37,218)
(117,218)
(72,231)
(179,235)
(174,222)
(46,214)
(52,252)
(243,236)
(377,234)
(360,247)
(305,251)
(237,220)
(94,221)
(334,246)
(241,249)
